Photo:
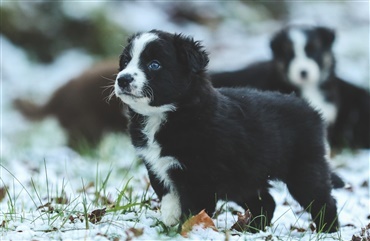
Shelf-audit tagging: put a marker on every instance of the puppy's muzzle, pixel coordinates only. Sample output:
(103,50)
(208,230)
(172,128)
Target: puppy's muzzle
(124,81)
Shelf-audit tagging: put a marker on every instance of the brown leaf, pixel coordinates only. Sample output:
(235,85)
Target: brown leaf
(356,238)
(85,188)
(137,232)
(46,207)
(312,227)
(201,218)
(243,221)
(300,230)
(3,191)
(269,238)
(60,200)
(3,223)
(97,215)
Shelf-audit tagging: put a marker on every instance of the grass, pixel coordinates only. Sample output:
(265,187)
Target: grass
(57,216)
(78,208)
(62,196)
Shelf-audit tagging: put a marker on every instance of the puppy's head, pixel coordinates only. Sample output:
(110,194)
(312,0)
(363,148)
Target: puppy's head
(157,69)
(304,54)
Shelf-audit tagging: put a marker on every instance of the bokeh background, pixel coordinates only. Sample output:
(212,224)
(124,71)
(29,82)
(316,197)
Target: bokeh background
(44,44)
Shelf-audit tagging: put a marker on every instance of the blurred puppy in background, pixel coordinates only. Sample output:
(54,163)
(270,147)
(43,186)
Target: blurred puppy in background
(303,62)
(82,107)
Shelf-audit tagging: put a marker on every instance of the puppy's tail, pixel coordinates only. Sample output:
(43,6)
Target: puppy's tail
(30,110)
(337,181)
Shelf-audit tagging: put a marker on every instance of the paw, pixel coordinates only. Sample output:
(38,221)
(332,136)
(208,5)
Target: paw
(171,209)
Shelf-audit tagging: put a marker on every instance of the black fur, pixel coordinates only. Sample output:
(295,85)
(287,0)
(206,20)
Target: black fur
(230,142)
(352,125)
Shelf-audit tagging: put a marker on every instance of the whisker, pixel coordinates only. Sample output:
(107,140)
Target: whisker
(149,92)
(107,86)
(112,94)
(113,80)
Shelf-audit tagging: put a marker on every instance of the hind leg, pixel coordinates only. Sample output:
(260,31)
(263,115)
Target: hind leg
(311,187)
(262,207)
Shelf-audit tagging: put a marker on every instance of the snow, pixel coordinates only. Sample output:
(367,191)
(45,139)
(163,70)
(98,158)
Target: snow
(37,166)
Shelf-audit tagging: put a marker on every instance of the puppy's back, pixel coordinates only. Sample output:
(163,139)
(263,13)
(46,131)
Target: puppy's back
(276,122)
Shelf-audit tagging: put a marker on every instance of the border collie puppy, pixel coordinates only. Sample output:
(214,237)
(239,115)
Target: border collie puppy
(201,144)
(81,107)
(303,63)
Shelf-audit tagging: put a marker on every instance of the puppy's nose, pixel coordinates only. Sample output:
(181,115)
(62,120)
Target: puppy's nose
(124,80)
(304,74)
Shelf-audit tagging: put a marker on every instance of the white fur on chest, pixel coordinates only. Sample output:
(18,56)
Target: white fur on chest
(328,110)
(151,153)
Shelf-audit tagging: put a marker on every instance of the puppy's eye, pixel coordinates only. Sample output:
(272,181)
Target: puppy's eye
(154,65)
(124,63)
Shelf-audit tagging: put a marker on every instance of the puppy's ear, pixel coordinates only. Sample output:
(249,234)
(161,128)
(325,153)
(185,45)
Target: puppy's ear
(191,53)
(327,36)
(277,44)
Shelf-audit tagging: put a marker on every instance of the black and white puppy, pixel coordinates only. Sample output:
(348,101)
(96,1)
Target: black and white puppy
(303,63)
(201,144)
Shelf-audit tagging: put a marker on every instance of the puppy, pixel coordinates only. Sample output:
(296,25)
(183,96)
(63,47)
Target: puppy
(303,63)
(201,144)
(82,108)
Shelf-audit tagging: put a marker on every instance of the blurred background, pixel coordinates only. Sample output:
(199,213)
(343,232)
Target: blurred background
(46,43)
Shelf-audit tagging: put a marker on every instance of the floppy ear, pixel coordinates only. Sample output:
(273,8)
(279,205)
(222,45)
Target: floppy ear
(191,53)
(276,44)
(327,36)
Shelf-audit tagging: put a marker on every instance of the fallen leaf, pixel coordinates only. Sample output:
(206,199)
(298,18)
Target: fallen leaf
(85,188)
(243,221)
(60,200)
(3,191)
(269,238)
(312,227)
(300,230)
(97,215)
(3,223)
(137,232)
(202,219)
(48,206)
(356,238)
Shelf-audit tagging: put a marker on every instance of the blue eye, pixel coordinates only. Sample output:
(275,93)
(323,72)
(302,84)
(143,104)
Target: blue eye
(154,65)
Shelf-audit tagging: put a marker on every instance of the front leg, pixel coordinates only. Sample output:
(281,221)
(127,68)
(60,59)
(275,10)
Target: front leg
(171,208)
(170,201)
(156,184)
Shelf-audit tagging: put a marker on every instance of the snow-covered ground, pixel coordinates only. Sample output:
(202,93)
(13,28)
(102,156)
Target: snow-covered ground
(37,167)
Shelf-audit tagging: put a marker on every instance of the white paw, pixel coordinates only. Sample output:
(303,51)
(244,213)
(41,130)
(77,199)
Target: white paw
(171,209)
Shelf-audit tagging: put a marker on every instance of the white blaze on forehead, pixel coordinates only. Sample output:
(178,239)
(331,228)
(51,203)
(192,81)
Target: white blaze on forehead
(299,41)
(133,69)
(301,62)
(138,45)
(310,86)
